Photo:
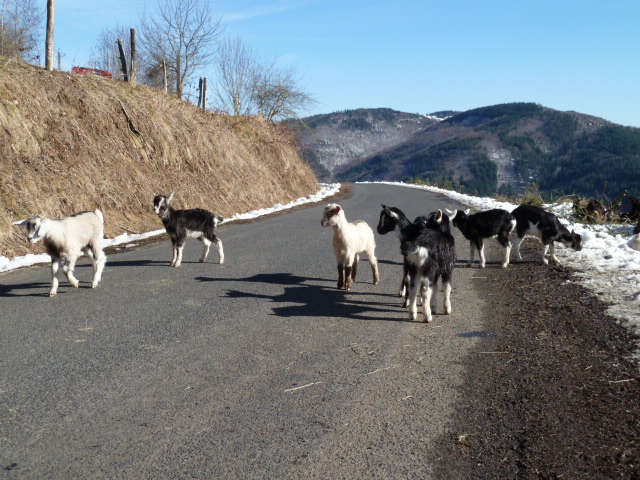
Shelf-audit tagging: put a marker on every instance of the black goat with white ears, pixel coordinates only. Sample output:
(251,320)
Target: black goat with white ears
(180,224)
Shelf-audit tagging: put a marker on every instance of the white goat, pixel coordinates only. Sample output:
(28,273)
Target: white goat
(68,239)
(350,239)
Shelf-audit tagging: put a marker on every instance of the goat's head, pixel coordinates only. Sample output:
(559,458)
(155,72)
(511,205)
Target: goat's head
(439,220)
(161,204)
(388,220)
(330,212)
(37,228)
(576,240)
(460,218)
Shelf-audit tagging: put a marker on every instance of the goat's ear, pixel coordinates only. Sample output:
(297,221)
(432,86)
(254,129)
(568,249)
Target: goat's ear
(21,222)
(338,208)
(466,212)
(170,197)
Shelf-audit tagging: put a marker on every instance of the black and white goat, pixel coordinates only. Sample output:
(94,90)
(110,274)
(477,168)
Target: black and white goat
(429,252)
(350,239)
(537,222)
(180,224)
(68,239)
(394,219)
(496,223)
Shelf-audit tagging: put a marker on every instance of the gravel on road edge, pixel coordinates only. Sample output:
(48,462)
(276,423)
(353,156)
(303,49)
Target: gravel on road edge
(552,392)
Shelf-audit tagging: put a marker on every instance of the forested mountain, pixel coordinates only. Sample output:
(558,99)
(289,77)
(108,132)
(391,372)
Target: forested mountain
(505,148)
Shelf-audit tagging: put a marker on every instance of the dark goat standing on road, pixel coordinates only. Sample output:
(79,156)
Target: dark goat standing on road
(394,219)
(429,252)
(491,223)
(546,226)
(180,224)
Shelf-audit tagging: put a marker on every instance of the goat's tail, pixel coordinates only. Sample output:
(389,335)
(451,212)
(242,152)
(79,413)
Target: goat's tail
(98,212)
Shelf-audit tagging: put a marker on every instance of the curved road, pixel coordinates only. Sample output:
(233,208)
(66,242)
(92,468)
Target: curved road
(258,368)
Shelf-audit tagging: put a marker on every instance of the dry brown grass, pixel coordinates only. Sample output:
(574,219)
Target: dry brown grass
(70,143)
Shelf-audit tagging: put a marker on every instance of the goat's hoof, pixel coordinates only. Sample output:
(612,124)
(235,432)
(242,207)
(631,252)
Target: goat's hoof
(427,319)
(201,260)
(53,294)
(221,262)
(95,285)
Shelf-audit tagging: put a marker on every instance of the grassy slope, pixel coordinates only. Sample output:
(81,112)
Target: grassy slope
(67,145)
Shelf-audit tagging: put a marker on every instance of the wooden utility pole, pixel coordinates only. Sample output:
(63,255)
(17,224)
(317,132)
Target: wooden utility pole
(123,60)
(178,82)
(165,82)
(204,93)
(134,58)
(51,22)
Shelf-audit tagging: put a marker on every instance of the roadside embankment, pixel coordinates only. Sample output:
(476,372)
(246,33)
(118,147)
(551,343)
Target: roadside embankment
(70,143)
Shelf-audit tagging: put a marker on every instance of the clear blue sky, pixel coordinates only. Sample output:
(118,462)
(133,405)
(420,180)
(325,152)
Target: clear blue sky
(421,56)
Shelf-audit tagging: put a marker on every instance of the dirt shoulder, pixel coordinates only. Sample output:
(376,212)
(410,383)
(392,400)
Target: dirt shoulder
(552,391)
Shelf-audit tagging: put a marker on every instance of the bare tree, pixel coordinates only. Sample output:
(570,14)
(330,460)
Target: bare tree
(249,86)
(20,22)
(184,34)
(236,69)
(277,94)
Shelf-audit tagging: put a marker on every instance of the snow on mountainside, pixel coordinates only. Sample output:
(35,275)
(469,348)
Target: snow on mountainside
(332,141)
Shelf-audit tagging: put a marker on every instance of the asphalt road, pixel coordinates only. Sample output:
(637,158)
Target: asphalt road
(258,368)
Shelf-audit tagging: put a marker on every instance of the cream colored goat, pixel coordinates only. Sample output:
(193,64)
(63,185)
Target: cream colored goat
(349,240)
(67,239)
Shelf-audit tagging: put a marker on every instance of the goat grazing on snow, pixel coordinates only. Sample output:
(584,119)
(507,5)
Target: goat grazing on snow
(349,240)
(546,226)
(68,239)
(180,224)
(496,223)
(394,219)
(429,252)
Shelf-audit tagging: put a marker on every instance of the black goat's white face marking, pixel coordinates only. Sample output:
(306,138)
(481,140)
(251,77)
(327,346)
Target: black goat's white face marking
(160,205)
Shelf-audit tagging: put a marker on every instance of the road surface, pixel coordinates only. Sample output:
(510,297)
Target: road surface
(258,368)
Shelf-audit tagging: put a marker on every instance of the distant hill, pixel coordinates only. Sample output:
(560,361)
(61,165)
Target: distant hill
(333,141)
(505,148)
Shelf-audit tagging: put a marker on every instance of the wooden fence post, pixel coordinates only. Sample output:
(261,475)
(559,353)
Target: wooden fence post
(134,58)
(204,93)
(123,60)
(165,82)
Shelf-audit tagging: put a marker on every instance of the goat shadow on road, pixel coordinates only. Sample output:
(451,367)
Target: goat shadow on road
(313,300)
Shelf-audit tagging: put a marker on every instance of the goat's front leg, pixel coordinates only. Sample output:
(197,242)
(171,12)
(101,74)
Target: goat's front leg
(480,247)
(177,253)
(354,268)
(552,252)
(206,244)
(55,265)
(545,249)
(446,293)
(174,252)
(68,268)
(340,275)
(220,250)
